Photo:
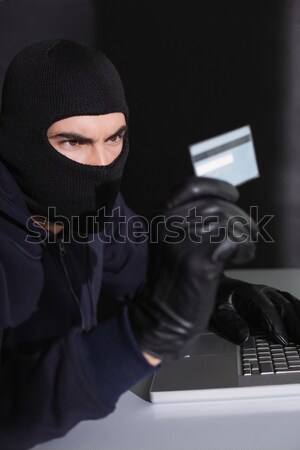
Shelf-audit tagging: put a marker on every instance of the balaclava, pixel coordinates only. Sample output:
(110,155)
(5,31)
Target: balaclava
(46,82)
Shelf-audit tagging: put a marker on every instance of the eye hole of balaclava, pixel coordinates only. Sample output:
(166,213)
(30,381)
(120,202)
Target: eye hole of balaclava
(47,82)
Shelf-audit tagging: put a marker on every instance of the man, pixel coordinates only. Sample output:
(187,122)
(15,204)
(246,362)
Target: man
(63,146)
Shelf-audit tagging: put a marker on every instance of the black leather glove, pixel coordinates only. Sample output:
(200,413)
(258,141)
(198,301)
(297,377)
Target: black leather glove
(177,302)
(241,306)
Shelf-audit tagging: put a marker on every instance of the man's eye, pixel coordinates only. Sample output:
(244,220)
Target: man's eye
(116,139)
(71,143)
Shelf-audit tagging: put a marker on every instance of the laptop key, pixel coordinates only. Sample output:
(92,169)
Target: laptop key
(254,368)
(291,369)
(249,352)
(280,366)
(266,367)
(277,352)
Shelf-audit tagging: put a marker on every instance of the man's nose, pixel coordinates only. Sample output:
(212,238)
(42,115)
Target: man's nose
(99,157)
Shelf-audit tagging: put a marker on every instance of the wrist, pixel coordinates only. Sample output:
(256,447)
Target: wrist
(152,360)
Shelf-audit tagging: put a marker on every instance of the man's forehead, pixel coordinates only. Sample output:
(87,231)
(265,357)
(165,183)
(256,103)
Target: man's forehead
(84,123)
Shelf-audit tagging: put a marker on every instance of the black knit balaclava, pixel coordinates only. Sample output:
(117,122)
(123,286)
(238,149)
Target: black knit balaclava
(46,82)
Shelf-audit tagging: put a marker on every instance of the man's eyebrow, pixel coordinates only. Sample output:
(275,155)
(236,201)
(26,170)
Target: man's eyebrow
(78,137)
(122,129)
(72,137)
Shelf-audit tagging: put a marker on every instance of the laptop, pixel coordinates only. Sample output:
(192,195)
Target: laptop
(217,370)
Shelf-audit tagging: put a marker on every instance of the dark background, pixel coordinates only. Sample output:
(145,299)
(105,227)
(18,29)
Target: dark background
(192,71)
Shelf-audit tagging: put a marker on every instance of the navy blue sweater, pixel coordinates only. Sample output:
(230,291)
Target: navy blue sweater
(60,363)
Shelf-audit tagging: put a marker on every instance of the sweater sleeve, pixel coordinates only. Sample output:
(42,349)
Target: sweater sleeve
(80,376)
(48,387)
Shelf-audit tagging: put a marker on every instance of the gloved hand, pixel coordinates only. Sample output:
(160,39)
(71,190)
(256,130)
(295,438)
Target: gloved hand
(241,305)
(177,302)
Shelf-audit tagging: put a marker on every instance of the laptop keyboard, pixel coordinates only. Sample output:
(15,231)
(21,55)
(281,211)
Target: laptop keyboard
(260,356)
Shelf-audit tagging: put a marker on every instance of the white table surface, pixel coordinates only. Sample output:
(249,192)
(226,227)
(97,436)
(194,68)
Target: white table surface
(236,425)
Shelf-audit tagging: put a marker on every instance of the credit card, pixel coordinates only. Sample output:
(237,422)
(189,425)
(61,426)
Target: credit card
(229,157)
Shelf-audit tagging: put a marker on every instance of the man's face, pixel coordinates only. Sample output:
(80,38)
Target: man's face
(92,140)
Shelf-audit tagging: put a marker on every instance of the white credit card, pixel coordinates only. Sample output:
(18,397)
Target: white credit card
(229,157)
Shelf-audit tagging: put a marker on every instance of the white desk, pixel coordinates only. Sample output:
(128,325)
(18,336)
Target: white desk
(238,425)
